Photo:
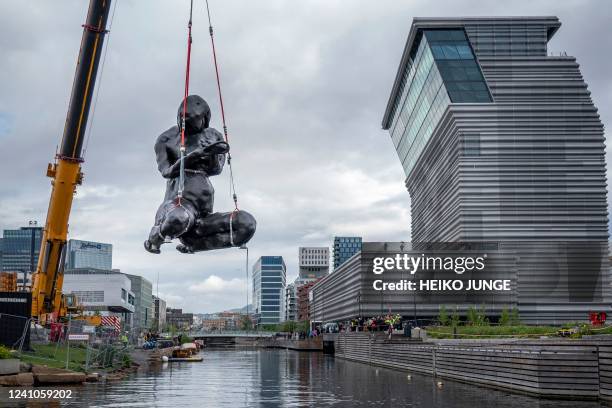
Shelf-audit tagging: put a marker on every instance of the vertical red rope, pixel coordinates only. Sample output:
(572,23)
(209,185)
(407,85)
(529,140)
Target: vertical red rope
(187,69)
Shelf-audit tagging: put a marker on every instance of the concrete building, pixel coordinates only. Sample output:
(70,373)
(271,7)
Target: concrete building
(143,314)
(290,303)
(501,142)
(313,262)
(103,291)
(88,254)
(19,252)
(344,248)
(179,320)
(269,275)
(159,314)
(303,300)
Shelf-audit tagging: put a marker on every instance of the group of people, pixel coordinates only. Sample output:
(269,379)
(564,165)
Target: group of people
(386,322)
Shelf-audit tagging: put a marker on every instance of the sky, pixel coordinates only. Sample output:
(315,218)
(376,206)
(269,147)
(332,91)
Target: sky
(305,86)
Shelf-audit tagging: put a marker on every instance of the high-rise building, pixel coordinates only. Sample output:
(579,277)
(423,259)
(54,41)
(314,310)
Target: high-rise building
(344,248)
(143,313)
(313,262)
(290,303)
(159,314)
(269,275)
(501,142)
(20,250)
(88,254)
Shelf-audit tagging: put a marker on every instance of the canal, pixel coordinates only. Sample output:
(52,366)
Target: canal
(280,378)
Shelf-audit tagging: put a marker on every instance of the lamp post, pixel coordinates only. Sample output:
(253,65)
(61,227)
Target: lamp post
(247,281)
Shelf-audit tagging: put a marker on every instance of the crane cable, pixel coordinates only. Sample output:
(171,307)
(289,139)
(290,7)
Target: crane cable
(184,115)
(225,133)
(101,76)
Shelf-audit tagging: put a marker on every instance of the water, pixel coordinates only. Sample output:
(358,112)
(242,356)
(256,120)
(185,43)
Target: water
(279,378)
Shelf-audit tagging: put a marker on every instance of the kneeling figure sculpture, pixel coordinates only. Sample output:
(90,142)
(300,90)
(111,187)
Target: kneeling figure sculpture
(191,219)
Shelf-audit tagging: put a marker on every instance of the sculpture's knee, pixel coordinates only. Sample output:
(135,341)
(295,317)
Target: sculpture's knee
(177,221)
(244,227)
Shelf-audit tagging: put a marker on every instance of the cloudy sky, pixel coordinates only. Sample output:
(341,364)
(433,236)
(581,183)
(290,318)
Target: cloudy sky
(305,86)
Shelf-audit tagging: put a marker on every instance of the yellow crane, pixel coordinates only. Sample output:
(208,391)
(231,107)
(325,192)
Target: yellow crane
(48,303)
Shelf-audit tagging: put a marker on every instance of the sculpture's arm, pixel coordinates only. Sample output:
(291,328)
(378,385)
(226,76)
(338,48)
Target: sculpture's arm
(167,168)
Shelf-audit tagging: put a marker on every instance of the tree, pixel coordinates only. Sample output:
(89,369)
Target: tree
(443,318)
(455,319)
(245,323)
(288,326)
(504,318)
(477,317)
(515,319)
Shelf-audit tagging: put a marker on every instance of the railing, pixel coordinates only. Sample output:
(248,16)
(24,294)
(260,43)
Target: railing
(230,333)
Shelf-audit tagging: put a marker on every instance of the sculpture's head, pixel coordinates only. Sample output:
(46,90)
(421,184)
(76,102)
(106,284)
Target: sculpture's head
(198,114)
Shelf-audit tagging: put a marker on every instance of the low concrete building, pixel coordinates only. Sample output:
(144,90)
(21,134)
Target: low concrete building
(103,291)
(179,320)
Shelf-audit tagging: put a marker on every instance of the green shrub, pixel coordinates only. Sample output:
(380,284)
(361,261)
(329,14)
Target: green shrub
(5,353)
(126,360)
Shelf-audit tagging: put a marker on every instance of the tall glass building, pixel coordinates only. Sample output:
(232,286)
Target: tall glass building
(269,278)
(19,250)
(88,254)
(501,142)
(344,248)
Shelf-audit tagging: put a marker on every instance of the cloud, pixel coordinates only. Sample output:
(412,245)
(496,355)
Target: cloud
(219,286)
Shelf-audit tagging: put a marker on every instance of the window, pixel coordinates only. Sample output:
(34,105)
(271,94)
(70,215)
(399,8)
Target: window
(457,66)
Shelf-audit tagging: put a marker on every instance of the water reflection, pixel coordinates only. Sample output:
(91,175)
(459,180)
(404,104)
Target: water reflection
(279,378)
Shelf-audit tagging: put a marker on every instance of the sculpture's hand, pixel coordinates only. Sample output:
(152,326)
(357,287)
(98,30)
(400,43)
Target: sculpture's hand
(195,155)
(217,148)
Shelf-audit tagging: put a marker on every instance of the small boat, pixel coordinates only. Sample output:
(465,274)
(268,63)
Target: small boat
(186,352)
(191,359)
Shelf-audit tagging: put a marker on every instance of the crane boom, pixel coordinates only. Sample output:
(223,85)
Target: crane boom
(65,172)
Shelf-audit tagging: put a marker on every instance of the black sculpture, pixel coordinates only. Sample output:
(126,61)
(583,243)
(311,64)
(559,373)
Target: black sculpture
(190,218)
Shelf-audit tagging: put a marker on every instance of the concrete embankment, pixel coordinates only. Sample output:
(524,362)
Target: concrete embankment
(311,344)
(557,368)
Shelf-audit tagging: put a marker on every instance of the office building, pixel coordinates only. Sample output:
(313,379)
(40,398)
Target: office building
(501,142)
(313,262)
(344,248)
(159,314)
(143,313)
(178,320)
(20,249)
(88,254)
(100,291)
(269,274)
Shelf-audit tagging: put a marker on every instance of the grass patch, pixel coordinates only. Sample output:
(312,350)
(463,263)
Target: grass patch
(53,355)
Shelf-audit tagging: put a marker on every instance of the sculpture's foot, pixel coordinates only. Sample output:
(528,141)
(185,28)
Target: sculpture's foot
(150,247)
(184,249)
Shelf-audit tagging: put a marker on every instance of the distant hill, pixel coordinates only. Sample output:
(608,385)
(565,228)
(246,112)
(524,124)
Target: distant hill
(240,309)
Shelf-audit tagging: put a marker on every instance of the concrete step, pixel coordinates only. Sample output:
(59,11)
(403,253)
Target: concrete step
(48,375)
